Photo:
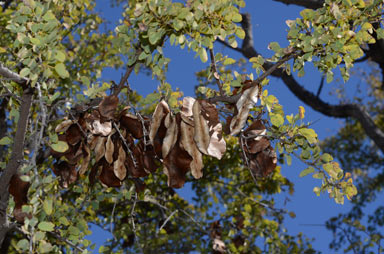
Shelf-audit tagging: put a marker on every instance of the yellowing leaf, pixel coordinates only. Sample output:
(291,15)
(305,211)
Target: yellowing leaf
(203,55)
(229,61)
(61,70)
(46,226)
(309,134)
(5,141)
(47,206)
(301,112)
(60,146)
(307,171)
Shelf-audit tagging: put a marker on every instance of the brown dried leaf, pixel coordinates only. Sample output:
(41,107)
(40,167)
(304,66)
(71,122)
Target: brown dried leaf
(138,170)
(118,166)
(149,161)
(247,100)
(187,143)
(162,109)
(73,134)
(66,172)
(107,175)
(201,135)
(171,134)
(19,190)
(177,163)
(109,149)
(107,106)
(86,160)
(132,124)
(255,142)
(186,109)
(99,128)
(100,148)
(63,126)
(217,145)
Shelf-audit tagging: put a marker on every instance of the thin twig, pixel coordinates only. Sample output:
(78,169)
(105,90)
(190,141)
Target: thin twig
(125,144)
(111,223)
(166,221)
(59,237)
(215,73)
(133,223)
(124,79)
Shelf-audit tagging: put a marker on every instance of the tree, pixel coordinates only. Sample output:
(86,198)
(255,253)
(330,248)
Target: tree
(107,145)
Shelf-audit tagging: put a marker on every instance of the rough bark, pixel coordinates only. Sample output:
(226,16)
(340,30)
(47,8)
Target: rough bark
(17,154)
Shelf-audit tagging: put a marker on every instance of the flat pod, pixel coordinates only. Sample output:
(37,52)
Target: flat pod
(107,106)
(118,166)
(201,135)
(99,128)
(177,163)
(247,100)
(187,142)
(171,134)
(162,109)
(107,175)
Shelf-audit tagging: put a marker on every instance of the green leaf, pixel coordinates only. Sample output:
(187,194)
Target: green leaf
(23,244)
(60,56)
(326,157)
(203,55)
(24,72)
(45,247)
(61,70)
(380,33)
(307,171)
(229,61)
(276,119)
(6,141)
(46,226)
(64,221)
(60,146)
(237,17)
(49,16)
(309,134)
(47,206)
(240,33)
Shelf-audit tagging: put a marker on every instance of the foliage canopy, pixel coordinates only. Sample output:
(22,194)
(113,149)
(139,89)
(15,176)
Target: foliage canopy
(117,155)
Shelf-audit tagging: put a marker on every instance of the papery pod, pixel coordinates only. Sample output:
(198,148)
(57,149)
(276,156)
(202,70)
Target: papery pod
(66,172)
(19,190)
(201,135)
(149,156)
(86,160)
(109,150)
(134,162)
(189,145)
(107,175)
(118,166)
(247,100)
(100,148)
(186,110)
(171,134)
(99,128)
(134,125)
(107,106)
(162,109)
(63,126)
(73,135)
(177,163)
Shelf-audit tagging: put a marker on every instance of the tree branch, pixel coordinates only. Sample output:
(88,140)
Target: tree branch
(17,154)
(340,111)
(311,4)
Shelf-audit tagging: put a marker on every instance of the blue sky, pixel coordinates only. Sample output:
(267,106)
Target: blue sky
(268,19)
